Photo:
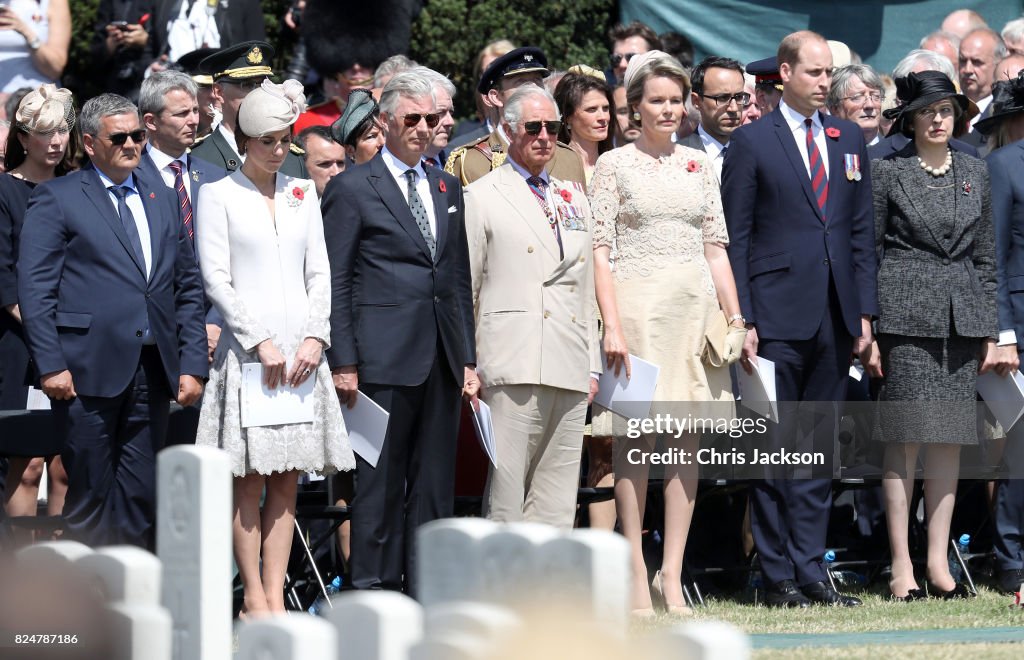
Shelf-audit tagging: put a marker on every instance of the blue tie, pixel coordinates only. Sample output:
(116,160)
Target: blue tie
(128,222)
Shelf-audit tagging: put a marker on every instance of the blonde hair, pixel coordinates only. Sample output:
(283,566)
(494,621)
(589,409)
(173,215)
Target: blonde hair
(659,65)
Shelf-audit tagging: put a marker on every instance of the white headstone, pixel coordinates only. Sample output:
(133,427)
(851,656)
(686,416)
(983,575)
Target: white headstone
(139,631)
(451,647)
(510,563)
(127,574)
(54,551)
(449,559)
(379,625)
(701,640)
(193,539)
(481,620)
(286,637)
(588,570)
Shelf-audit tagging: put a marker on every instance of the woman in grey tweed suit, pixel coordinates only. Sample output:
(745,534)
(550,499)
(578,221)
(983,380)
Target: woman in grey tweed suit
(937,324)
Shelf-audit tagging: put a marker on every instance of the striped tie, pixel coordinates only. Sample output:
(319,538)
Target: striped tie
(185,206)
(819,180)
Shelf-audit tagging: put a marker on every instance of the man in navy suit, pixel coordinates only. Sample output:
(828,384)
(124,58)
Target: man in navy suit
(401,329)
(798,205)
(113,310)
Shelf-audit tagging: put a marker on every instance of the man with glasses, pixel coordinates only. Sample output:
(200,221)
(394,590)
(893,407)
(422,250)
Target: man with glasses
(536,318)
(856,95)
(112,304)
(720,98)
(236,71)
(401,329)
(500,79)
(627,41)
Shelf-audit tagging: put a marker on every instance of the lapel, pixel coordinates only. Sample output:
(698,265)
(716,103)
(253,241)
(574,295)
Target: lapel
(786,137)
(382,181)
(93,188)
(517,193)
(154,217)
(911,190)
(440,200)
(226,152)
(836,164)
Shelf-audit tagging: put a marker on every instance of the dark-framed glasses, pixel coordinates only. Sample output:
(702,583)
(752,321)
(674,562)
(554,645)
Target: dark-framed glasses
(862,97)
(533,127)
(618,57)
(118,139)
(945,112)
(742,99)
(415,118)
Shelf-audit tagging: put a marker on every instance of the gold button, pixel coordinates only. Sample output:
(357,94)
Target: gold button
(574,318)
(547,314)
(530,249)
(582,259)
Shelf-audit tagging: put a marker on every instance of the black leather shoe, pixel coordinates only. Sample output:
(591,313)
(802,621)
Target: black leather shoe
(785,594)
(912,595)
(822,593)
(1010,580)
(959,591)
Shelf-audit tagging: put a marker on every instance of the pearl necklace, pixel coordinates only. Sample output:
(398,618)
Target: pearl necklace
(937,171)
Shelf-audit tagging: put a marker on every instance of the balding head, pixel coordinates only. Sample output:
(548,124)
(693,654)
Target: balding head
(962,21)
(946,44)
(979,52)
(1009,67)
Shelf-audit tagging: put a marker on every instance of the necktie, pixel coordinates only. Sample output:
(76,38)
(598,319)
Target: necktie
(720,162)
(128,222)
(819,180)
(539,187)
(184,205)
(419,212)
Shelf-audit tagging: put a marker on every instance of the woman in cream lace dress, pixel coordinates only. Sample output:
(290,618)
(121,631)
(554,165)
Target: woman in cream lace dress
(264,263)
(661,205)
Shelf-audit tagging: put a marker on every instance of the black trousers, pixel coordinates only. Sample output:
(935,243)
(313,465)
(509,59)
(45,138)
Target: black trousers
(110,447)
(413,482)
(790,511)
(1008,541)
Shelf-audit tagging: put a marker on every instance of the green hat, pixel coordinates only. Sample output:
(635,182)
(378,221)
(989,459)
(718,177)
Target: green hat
(360,106)
(244,61)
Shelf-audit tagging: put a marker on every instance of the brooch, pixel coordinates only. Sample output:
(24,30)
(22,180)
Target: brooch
(195,176)
(298,194)
(692,166)
(833,132)
(441,187)
(966,187)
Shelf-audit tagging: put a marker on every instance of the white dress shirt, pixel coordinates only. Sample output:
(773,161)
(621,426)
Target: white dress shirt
(398,169)
(163,165)
(799,128)
(193,28)
(982,106)
(134,202)
(714,149)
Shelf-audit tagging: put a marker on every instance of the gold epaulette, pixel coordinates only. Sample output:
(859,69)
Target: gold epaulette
(296,149)
(198,141)
(449,165)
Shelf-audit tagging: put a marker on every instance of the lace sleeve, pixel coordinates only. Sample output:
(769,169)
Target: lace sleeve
(713,222)
(604,201)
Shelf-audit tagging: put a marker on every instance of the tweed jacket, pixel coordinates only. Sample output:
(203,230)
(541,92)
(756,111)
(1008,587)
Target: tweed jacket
(933,263)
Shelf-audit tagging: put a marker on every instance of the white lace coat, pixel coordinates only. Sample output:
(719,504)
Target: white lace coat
(269,280)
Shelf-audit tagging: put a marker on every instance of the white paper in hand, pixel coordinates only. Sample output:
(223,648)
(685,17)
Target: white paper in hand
(262,406)
(757,389)
(367,426)
(1004,396)
(628,398)
(484,428)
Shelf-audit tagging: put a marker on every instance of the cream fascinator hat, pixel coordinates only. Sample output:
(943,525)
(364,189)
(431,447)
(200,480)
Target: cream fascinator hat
(46,110)
(271,107)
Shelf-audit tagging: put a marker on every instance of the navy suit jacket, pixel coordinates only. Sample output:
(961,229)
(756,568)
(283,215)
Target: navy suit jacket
(897,141)
(83,293)
(783,253)
(1004,167)
(201,173)
(391,303)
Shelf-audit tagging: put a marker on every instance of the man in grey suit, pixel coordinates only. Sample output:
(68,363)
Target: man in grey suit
(719,96)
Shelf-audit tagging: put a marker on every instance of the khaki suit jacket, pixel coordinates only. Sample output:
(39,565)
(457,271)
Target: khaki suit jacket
(487,154)
(536,313)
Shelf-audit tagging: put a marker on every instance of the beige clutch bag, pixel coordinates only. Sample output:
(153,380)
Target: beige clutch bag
(719,351)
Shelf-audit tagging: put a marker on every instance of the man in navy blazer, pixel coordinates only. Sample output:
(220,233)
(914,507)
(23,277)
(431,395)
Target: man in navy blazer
(797,198)
(112,305)
(402,329)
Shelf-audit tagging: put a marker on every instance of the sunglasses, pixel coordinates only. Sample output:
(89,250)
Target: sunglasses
(533,127)
(118,139)
(414,119)
(618,57)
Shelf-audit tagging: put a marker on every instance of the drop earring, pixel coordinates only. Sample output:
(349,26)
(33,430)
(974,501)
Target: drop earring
(636,116)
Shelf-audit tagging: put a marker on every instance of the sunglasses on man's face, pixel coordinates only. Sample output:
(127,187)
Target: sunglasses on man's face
(533,127)
(414,119)
(617,58)
(118,139)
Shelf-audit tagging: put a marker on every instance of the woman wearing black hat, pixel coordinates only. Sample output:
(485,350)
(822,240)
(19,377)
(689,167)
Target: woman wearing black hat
(937,325)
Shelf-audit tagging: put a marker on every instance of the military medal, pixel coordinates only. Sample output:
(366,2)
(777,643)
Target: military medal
(852,162)
(195,176)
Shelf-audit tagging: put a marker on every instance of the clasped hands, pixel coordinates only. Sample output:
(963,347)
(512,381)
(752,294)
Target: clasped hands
(307,357)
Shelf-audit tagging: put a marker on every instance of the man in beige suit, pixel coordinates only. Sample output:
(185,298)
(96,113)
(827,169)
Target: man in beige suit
(531,254)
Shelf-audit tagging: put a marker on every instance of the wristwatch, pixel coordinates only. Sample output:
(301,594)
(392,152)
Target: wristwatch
(737,317)
(35,43)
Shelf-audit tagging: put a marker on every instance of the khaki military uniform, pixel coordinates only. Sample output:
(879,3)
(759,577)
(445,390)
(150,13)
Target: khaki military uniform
(476,159)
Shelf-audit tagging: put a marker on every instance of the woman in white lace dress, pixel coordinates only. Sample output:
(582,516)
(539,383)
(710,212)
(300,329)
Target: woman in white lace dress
(264,263)
(661,205)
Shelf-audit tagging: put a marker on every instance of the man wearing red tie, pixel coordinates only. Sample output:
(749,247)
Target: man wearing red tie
(797,197)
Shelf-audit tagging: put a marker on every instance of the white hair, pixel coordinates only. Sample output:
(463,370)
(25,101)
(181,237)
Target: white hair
(513,110)
(408,84)
(933,60)
(391,67)
(1013,32)
(437,79)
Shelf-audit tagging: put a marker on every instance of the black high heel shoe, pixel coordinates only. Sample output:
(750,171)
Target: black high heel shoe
(912,595)
(959,591)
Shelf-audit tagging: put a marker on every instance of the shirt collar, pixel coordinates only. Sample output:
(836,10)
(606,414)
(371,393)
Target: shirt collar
(398,168)
(108,182)
(711,146)
(229,137)
(983,104)
(525,174)
(162,160)
(795,119)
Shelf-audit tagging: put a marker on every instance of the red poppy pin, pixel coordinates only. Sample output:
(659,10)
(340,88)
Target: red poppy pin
(566,195)
(441,186)
(298,193)
(152,195)
(693,166)
(832,132)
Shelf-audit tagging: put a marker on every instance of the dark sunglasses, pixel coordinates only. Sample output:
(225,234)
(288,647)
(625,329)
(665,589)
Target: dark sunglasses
(533,127)
(618,57)
(414,119)
(118,139)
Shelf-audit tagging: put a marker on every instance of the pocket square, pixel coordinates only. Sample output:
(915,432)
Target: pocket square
(451,209)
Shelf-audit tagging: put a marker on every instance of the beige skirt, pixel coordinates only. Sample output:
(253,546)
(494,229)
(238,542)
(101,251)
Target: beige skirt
(664,318)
